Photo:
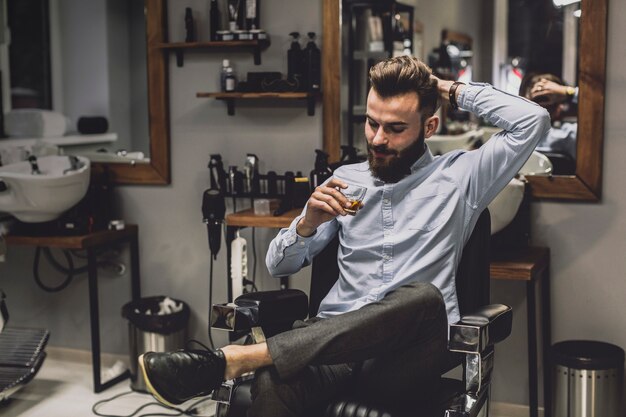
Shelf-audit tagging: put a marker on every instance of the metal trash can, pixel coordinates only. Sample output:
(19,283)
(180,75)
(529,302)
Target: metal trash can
(588,379)
(149,331)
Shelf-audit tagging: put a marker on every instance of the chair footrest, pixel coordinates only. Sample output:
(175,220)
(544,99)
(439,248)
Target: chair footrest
(20,347)
(21,356)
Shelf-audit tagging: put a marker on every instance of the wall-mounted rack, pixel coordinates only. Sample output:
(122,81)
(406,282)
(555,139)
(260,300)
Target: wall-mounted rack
(179,48)
(230,98)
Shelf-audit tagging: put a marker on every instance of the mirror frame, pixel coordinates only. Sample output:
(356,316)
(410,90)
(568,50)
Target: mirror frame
(158,171)
(586,183)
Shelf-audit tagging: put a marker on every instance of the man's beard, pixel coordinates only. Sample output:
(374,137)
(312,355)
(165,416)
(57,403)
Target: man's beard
(399,165)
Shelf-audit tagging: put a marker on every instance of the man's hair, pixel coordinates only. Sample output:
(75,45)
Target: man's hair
(404,74)
(532,78)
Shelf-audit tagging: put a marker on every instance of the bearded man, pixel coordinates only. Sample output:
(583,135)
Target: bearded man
(382,328)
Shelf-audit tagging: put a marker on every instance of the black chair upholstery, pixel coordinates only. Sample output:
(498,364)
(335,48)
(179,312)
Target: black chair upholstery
(472,337)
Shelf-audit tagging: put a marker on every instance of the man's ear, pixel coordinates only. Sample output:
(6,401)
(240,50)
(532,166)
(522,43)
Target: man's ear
(430,126)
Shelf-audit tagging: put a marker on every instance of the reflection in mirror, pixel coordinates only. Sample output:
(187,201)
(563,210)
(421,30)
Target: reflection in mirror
(528,48)
(82,59)
(586,183)
(104,59)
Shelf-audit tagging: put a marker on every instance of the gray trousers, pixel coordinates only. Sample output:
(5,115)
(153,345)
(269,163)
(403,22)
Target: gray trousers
(390,352)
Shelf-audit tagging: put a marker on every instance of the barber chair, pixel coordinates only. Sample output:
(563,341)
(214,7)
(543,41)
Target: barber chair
(21,354)
(472,338)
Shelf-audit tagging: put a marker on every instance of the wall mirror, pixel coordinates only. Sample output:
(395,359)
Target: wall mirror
(568,39)
(96,58)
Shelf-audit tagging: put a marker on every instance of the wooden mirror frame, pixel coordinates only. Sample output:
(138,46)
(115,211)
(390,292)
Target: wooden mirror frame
(157,172)
(586,184)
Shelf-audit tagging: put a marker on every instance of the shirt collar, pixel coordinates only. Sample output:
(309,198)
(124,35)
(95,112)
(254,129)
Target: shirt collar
(425,159)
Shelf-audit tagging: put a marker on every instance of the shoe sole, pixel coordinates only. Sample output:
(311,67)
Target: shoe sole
(149,385)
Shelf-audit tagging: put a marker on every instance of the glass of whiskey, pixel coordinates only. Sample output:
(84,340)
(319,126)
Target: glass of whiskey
(355,195)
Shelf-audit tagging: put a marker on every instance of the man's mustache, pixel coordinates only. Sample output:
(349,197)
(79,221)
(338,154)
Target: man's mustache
(382,149)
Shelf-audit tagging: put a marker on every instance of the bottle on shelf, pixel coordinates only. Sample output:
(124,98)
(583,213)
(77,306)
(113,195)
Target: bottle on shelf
(312,65)
(252,14)
(223,73)
(231,80)
(214,16)
(322,170)
(190,30)
(295,61)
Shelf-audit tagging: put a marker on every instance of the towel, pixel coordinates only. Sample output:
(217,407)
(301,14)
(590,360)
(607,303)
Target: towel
(35,123)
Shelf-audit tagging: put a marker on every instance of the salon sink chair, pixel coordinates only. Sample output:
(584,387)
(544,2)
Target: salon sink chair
(471,340)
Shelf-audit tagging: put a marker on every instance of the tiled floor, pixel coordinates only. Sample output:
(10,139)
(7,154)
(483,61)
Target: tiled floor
(63,388)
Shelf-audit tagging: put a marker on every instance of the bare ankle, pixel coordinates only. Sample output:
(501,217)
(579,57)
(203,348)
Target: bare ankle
(247,358)
(232,353)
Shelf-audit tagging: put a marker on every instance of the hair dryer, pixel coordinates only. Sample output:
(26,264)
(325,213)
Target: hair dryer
(213,210)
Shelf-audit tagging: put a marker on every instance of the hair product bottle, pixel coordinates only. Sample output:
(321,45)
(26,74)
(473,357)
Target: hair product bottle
(294,61)
(214,16)
(223,73)
(322,170)
(312,65)
(190,30)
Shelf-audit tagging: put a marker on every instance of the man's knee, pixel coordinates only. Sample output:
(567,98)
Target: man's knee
(423,295)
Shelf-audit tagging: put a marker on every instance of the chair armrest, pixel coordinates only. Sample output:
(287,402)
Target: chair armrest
(259,309)
(484,327)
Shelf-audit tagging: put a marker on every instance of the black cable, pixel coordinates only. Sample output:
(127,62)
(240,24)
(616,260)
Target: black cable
(210,300)
(48,254)
(69,271)
(254,258)
(191,410)
(64,284)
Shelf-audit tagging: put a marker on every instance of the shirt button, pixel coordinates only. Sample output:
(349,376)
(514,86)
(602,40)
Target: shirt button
(301,243)
(386,201)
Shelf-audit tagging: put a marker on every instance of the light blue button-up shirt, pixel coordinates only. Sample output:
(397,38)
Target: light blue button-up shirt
(415,229)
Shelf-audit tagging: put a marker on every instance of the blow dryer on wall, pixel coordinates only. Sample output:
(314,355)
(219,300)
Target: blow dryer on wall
(213,210)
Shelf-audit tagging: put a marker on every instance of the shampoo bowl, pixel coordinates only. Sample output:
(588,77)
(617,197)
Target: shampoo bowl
(504,207)
(440,144)
(41,190)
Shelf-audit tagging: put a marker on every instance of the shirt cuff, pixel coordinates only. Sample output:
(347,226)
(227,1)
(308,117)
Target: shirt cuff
(293,238)
(469,93)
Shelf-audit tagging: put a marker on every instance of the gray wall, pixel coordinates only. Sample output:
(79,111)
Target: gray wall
(587,240)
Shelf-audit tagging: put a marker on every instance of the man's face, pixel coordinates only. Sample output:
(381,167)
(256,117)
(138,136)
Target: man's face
(395,134)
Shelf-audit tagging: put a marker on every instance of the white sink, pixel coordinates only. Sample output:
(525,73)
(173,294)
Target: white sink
(537,164)
(440,144)
(43,197)
(504,207)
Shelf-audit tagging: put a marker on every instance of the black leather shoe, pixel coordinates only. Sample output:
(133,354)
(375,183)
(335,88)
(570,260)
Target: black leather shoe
(175,377)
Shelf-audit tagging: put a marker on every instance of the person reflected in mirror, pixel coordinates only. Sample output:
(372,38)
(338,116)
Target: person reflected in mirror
(382,329)
(561,100)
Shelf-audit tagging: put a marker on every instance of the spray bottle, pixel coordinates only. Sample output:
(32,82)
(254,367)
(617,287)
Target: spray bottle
(312,65)
(322,170)
(295,61)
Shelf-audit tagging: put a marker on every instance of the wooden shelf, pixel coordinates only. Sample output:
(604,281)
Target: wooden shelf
(247,218)
(523,264)
(73,242)
(230,98)
(180,47)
